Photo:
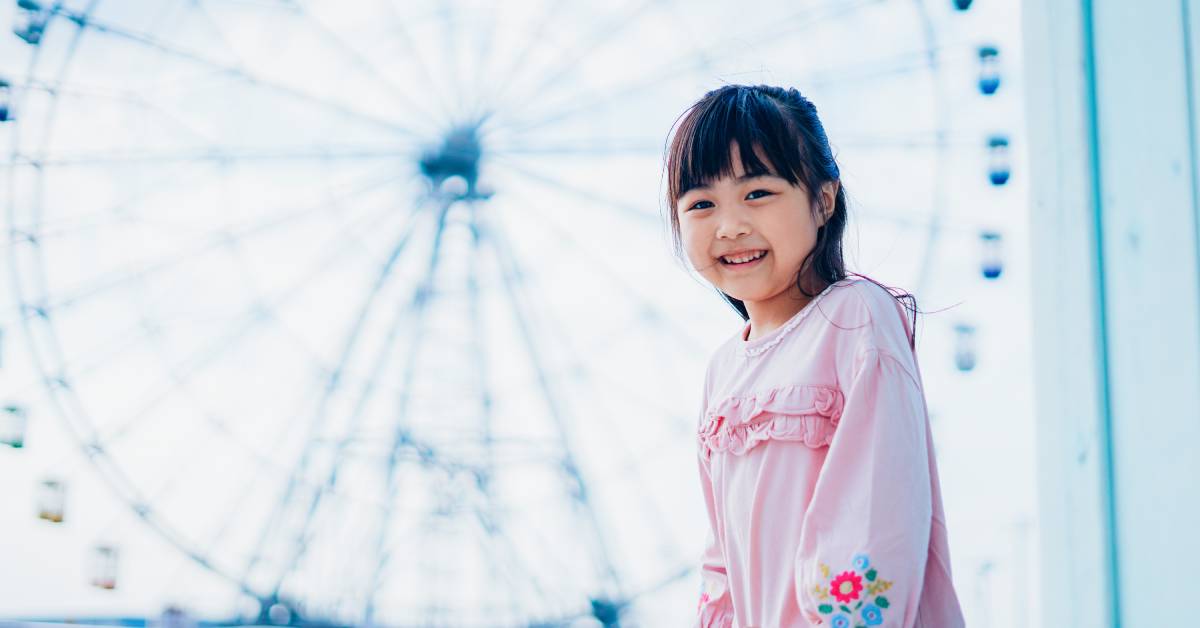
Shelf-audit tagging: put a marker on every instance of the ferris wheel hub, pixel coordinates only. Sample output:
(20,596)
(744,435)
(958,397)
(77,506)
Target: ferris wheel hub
(452,167)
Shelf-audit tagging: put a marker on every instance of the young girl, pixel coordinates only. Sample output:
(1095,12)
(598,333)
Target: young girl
(815,453)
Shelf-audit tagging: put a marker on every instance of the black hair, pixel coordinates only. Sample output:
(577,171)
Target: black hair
(777,132)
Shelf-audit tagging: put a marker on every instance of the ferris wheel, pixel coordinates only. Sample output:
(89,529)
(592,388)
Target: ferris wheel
(360,307)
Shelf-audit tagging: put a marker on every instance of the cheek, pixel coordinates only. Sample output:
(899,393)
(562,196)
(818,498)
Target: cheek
(791,253)
(692,240)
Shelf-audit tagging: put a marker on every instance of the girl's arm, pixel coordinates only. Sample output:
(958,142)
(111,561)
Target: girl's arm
(715,608)
(864,539)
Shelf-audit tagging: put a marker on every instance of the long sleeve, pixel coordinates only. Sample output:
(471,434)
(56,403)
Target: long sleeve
(865,536)
(715,608)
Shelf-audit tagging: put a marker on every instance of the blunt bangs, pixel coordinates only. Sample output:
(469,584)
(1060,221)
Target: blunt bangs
(701,151)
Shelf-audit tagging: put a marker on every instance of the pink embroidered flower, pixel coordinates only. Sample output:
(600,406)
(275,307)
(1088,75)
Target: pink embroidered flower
(846,587)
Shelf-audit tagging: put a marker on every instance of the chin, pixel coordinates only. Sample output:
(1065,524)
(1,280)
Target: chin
(742,296)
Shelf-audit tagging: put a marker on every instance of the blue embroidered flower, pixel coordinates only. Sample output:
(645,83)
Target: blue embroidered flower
(860,562)
(841,621)
(872,615)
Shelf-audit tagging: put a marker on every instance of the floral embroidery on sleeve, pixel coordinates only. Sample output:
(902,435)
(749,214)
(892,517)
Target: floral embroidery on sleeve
(846,588)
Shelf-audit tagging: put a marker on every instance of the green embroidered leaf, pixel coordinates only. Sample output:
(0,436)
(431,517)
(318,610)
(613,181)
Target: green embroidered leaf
(843,607)
(871,576)
(825,608)
(859,605)
(882,602)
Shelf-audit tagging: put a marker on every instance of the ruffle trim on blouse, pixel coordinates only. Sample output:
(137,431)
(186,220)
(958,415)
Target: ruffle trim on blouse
(717,614)
(805,413)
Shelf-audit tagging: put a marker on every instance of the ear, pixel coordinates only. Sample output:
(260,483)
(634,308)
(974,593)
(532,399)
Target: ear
(829,190)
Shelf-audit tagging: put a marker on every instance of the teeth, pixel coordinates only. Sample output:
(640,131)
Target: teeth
(744,258)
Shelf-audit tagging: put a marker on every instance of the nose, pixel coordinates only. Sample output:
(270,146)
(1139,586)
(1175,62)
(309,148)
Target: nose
(732,225)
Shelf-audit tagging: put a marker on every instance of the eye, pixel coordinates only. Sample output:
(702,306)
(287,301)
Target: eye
(697,205)
(762,193)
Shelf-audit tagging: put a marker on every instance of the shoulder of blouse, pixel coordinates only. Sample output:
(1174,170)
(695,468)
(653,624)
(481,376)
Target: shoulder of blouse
(878,328)
(863,314)
(874,318)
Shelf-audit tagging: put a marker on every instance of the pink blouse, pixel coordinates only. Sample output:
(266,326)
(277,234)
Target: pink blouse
(818,473)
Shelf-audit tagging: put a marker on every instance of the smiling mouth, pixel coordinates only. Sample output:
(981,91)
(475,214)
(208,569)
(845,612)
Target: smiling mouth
(743,260)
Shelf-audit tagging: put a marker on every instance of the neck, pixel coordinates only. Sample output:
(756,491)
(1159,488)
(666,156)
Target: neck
(770,314)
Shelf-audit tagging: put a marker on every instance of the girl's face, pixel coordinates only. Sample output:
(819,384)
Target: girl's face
(743,217)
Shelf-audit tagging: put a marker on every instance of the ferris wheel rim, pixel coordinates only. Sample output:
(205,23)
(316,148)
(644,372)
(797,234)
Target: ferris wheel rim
(61,387)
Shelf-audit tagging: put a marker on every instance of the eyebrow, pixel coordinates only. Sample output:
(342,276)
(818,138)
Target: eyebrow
(742,179)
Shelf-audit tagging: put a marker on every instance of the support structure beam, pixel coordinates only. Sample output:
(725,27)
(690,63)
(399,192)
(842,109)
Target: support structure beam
(1111,108)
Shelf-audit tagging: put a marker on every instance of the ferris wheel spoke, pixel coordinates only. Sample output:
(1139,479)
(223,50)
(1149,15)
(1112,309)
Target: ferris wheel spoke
(352,53)
(596,40)
(633,211)
(926,140)
(78,90)
(498,549)
(367,390)
(186,368)
(508,76)
(220,155)
(89,221)
(91,361)
(581,248)
(145,411)
(181,458)
(261,4)
(450,52)
(902,220)
(221,68)
(517,561)
(694,60)
(212,151)
(127,97)
(505,561)
(401,31)
(349,345)
(483,55)
(420,308)
(868,75)
(510,272)
(212,543)
(583,148)
(131,497)
(116,278)
(217,29)
(591,101)
(490,520)
(479,344)
(606,147)
(95,359)
(628,461)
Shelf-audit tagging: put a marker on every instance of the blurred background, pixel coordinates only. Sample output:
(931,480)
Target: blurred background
(333,313)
